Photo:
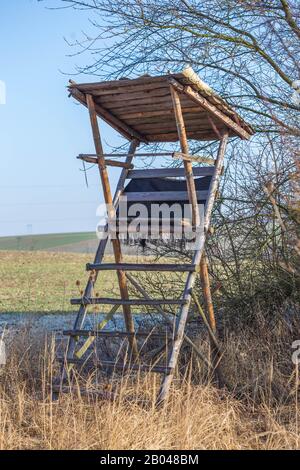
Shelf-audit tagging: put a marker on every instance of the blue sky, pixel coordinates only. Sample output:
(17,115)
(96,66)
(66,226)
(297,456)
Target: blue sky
(42,189)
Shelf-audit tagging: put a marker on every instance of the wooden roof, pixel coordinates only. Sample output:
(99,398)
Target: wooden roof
(142,108)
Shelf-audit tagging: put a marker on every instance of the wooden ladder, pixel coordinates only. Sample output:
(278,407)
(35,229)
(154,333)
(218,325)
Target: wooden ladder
(74,355)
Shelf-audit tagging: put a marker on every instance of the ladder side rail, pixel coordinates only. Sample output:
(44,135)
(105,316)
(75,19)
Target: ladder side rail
(166,382)
(116,244)
(100,252)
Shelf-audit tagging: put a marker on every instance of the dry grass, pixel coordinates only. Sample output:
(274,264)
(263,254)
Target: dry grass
(197,416)
(258,412)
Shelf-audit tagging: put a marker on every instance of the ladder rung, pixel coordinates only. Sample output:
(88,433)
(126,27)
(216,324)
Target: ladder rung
(107,301)
(120,334)
(91,159)
(119,366)
(141,267)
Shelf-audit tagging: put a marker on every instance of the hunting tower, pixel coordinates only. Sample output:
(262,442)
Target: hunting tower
(147,110)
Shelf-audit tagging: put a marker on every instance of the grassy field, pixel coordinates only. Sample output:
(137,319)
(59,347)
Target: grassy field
(44,242)
(44,282)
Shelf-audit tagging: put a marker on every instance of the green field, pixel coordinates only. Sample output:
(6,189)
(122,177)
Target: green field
(36,282)
(44,242)
(44,282)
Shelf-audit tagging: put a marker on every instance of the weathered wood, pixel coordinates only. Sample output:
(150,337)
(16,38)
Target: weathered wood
(110,118)
(205,104)
(164,101)
(150,114)
(79,321)
(164,196)
(141,267)
(87,344)
(92,158)
(207,293)
(170,126)
(127,90)
(120,366)
(168,172)
(108,301)
(105,85)
(214,127)
(180,327)
(135,155)
(89,159)
(138,96)
(205,321)
(215,349)
(111,213)
(113,333)
(194,119)
(194,158)
(173,136)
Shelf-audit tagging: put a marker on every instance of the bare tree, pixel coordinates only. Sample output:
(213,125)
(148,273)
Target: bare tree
(248,51)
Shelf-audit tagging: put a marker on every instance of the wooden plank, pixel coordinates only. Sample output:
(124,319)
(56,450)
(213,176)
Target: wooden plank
(147,104)
(106,85)
(111,119)
(125,366)
(129,89)
(205,104)
(194,158)
(139,96)
(113,333)
(121,155)
(141,267)
(163,196)
(139,103)
(108,301)
(155,113)
(191,122)
(94,160)
(215,350)
(169,172)
(169,125)
(173,136)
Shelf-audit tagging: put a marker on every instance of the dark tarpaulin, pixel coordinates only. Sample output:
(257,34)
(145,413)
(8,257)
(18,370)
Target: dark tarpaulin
(140,185)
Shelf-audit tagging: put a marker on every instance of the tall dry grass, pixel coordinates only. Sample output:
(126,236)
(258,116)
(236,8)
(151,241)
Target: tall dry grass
(258,412)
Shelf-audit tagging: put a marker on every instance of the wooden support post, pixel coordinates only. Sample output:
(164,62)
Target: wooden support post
(207,293)
(111,214)
(216,356)
(187,164)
